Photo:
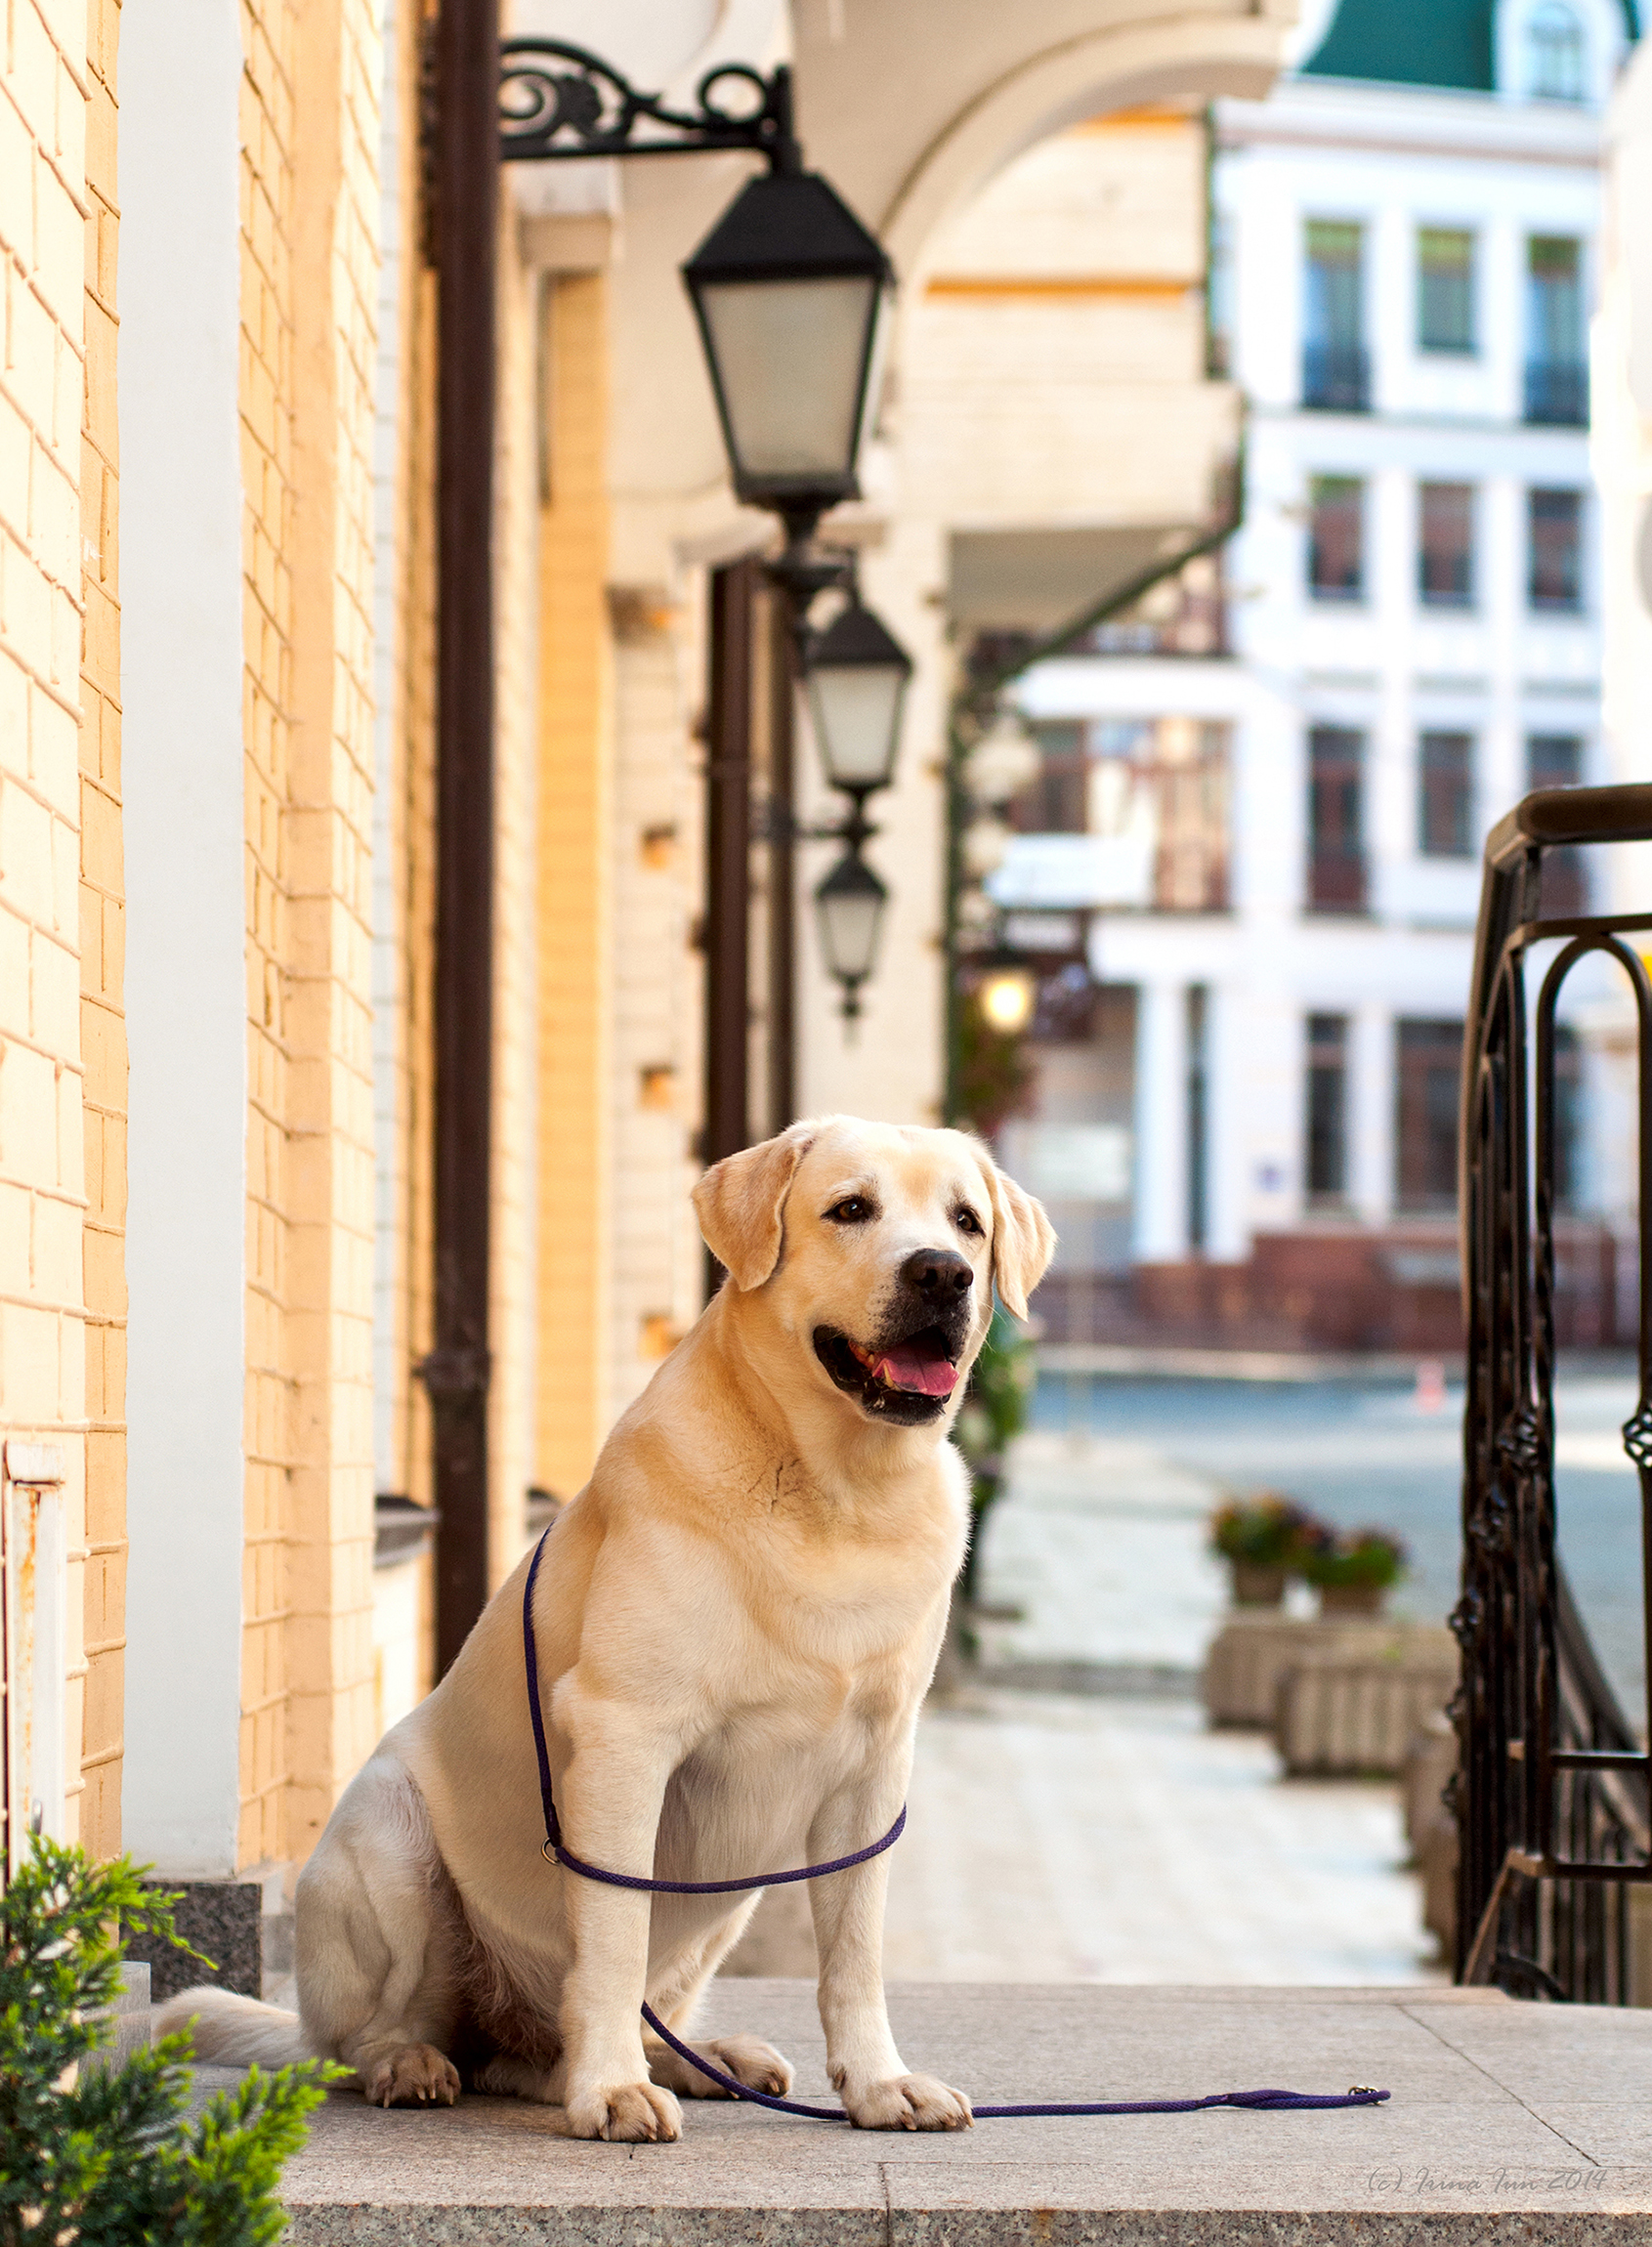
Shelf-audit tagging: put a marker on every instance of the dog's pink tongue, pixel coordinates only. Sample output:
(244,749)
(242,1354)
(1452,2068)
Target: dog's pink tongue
(910,1369)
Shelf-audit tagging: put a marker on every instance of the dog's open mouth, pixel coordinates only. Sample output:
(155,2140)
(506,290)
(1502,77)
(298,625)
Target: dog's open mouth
(909,1381)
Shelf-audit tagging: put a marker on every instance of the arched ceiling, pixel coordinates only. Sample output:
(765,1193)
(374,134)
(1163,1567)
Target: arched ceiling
(910,108)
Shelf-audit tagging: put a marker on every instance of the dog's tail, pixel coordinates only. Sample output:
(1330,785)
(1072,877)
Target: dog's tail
(230,2031)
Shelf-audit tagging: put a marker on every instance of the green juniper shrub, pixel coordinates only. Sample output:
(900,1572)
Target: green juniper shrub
(106,2157)
(994,1412)
(1365,1556)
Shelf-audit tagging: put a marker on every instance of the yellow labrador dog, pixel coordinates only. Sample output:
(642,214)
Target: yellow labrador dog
(737,1620)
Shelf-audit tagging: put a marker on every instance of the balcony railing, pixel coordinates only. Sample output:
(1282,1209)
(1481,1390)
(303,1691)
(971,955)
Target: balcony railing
(1557,393)
(1552,1795)
(1336,377)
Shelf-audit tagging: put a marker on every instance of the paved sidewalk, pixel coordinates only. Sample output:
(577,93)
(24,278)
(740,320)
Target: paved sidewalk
(1101,1542)
(1509,2123)
(1054,1838)
(1113,1837)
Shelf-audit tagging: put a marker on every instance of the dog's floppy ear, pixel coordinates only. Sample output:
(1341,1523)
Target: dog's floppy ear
(740,1203)
(1022,1237)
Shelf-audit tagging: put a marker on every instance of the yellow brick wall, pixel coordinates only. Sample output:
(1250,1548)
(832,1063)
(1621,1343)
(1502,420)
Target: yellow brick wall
(103,1025)
(576,751)
(328,965)
(308,265)
(269,42)
(44,83)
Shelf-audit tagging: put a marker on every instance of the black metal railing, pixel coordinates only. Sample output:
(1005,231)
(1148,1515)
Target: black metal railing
(1336,377)
(1554,1786)
(1557,393)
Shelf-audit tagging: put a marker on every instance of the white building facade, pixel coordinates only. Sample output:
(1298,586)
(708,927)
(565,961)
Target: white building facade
(1402,277)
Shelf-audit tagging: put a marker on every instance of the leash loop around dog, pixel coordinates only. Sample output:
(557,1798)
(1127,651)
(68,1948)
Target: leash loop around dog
(556,1851)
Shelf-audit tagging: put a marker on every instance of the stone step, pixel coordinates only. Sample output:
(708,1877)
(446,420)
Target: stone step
(1508,2122)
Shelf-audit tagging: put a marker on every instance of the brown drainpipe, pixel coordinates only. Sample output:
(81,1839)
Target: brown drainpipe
(465,181)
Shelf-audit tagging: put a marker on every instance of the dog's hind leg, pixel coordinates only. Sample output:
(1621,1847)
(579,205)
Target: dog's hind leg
(377,1942)
(747,2058)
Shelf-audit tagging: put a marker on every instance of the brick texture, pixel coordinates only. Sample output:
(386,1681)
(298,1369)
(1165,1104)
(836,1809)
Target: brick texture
(576,733)
(309,262)
(46,234)
(103,1021)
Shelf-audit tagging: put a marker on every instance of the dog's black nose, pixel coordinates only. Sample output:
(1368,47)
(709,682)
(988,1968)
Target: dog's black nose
(940,1275)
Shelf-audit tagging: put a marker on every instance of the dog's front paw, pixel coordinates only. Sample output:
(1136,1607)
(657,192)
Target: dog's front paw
(626,2113)
(416,2075)
(907,2102)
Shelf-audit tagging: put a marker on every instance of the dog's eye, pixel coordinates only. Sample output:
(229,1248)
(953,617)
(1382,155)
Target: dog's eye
(968,1222)
(854,1209)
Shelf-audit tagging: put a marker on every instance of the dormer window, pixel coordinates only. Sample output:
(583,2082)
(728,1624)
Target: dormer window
(1555,52)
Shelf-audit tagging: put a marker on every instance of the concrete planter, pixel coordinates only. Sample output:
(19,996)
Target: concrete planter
(1256,1585)
(1351,1599)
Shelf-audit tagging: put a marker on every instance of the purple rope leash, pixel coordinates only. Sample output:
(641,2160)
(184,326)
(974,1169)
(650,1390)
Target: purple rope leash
(556,1849)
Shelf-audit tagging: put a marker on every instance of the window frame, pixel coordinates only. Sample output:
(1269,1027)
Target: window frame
(1468,599)
(1324,1070)
(1455,786)
(1336,596)
(1577,603)
(1470,348)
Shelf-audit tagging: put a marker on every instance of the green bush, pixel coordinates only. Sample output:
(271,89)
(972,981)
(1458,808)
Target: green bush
(994,1410)
(107,2158)
(1368,1556)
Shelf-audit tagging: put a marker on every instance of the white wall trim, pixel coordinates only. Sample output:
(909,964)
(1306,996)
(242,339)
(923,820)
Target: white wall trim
(186,976)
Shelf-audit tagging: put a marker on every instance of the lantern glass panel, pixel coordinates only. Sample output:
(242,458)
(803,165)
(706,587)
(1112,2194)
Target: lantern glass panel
(856,711)
(792,361)
(849,920)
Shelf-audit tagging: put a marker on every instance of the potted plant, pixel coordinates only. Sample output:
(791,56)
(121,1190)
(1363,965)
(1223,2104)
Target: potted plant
(1352,1573)
(995,1412)
(1263,1540)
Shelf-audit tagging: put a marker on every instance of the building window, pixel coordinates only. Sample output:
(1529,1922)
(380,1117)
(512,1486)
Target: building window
(1445,558)
(1328,1108)
(1557,761)
(1557,377)
(1337,538)
(1555,52)
(1555,549)
(1336,824)
(1335,367)
(1568,1117)
(1445,796)
(1189,780)
(1056,802)
(1198,1114)
(1429,1064)
(1445,289)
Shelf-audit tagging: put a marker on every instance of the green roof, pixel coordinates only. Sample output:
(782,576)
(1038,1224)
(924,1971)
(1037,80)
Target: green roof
(1401,43)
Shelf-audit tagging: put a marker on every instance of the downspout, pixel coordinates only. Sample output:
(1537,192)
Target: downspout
(465,181)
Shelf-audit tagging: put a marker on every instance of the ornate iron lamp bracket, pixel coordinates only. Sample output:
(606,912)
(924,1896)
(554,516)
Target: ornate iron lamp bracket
(558,101)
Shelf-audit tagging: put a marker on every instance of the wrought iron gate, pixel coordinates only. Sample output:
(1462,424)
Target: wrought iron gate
(1553,1785)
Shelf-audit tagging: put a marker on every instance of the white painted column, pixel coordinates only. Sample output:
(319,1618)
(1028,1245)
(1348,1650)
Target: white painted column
(1160,1229)
(1226,1148)
(185,975)
(1370,1114)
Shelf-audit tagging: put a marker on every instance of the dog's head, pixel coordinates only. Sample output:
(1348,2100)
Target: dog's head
(877,1248)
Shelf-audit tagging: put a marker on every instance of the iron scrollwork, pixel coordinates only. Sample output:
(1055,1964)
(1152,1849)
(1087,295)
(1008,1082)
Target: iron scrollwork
(557,100)
(1552,1799)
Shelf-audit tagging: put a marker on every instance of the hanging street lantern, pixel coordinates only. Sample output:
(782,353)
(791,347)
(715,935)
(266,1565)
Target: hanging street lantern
(849,911)
(789,288)
(1007,998)
(857,680)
